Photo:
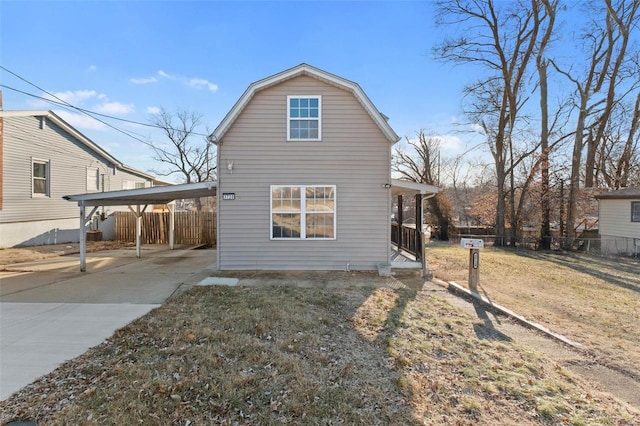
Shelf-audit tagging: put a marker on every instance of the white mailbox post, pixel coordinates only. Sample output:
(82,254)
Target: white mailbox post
(474,245)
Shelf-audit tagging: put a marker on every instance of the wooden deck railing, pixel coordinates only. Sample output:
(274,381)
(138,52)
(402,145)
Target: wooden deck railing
(406,238)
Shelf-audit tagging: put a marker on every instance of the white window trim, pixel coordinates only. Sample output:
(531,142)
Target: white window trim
(303,213)
(289,138)
(633,204)
(47,178)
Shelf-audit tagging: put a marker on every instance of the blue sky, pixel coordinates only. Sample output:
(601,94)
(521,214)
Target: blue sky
(126,59)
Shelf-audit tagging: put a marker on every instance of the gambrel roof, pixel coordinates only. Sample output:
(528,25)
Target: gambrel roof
(304,69)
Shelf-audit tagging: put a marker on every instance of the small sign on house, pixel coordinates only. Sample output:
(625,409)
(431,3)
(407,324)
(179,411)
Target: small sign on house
(228,195)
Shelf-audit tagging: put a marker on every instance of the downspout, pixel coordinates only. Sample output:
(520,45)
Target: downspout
(218,144)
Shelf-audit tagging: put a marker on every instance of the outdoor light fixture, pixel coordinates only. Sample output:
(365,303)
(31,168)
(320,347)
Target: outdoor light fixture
(230,166)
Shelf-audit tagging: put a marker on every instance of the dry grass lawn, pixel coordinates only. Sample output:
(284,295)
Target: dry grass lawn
(591,300)
(291,355)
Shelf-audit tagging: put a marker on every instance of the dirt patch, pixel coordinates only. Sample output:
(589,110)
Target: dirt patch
(13,255)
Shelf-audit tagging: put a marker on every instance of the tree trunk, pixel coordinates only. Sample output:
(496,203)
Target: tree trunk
(545,229)
(624,164)
(574,182)
(500,210)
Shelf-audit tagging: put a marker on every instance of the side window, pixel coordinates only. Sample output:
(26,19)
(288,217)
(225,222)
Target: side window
(40,178)
(304,118)
(635,211)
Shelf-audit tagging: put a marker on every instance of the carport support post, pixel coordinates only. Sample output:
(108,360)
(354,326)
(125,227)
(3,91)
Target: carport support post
(138,212)
(172,224)
(83,235)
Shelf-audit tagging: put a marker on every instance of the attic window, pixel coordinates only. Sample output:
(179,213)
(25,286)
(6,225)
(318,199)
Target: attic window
(304,115)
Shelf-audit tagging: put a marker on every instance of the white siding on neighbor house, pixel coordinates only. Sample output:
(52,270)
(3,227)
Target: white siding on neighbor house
(353,155)
(73,169)
(615,219)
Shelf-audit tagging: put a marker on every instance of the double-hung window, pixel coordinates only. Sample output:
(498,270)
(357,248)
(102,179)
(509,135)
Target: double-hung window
(40,178)
(304,118)
(303,212)
(635,211)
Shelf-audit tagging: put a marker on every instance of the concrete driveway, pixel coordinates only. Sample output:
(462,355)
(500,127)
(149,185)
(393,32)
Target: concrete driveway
(51,312)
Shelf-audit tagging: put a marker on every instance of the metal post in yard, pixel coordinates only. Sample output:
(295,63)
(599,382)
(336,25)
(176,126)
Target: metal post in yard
(474,269)
(83,239)
(474,260)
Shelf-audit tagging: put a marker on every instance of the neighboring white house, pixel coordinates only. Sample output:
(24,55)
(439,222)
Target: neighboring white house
(304,181)
(619,221)
(43,158)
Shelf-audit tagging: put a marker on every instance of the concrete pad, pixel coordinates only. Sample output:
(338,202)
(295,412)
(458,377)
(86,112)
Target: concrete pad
(56,312)
(219,281)
(38,337)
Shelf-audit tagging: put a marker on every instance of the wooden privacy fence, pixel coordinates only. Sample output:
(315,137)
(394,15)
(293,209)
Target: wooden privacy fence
(190,227)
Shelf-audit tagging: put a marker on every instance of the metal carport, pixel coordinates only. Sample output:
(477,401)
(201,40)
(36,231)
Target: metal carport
(138,198)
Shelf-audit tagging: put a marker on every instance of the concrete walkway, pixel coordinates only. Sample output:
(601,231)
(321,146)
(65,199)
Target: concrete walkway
(51,312)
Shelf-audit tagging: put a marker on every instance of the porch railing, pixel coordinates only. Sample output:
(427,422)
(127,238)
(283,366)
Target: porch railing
(406,237)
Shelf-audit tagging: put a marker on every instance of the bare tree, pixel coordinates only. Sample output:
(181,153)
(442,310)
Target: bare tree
(595,90)
(420,164)
(182,154)
(617,155)
(621,18)
(502,41)
(541,65)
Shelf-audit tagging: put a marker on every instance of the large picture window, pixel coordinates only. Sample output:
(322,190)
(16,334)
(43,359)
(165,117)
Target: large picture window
(304,118)
(303,212)
(40,178)
(635,211)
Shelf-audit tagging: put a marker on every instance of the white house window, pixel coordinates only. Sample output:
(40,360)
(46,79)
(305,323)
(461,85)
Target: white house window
(304,115)
(40,178)
(93,179)
(303,212)
(131,184)
(635,211)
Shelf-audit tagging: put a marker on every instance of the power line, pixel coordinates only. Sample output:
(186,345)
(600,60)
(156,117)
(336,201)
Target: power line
(89,113)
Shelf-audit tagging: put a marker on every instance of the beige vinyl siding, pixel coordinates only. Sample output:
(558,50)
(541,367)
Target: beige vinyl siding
(69,160)
(615,219)
(353,155)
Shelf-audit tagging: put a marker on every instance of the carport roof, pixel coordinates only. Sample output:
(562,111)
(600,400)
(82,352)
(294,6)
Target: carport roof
(153,195)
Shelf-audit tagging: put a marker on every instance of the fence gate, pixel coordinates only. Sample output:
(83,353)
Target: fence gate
(190,227)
